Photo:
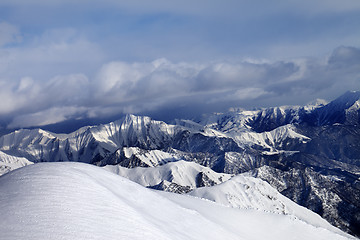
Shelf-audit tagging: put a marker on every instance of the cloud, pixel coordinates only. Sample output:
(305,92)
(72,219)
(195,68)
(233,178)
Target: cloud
(328,6)
(9,34)
(60,75)
(200,6)
(46,117)
(160,85)
(344,57)
(54,52)
(190,31)
(173,58)
(29,95)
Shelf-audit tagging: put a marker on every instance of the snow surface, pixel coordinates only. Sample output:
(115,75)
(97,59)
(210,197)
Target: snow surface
(9,163)
(271,139)
(253,193)
(151,158)
(92,143)
(181,172)
(80,201)
(235,124)
(86,143)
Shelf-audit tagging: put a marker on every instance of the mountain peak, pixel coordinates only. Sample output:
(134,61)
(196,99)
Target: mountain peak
(347,99)
(315,104)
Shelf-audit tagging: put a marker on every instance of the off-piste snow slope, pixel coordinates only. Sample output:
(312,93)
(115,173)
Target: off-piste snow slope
(80,201)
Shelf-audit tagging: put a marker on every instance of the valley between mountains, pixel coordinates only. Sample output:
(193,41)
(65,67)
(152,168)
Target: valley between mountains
(292,161)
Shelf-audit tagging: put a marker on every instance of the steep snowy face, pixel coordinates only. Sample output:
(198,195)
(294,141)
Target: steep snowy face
(352,114)
(267,119)
(135,131)
(271,141)
(317,103)
(89,144)
(150,158)
(38,145)
(9,163)
(268,129)
(78,201)
(271,118)
(236,120)
(181,176)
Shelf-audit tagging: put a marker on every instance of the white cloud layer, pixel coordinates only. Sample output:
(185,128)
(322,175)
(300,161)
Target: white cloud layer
(63,60)
(160,85)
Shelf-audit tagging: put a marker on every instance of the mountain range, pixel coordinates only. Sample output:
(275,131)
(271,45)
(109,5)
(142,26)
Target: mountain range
(309,154)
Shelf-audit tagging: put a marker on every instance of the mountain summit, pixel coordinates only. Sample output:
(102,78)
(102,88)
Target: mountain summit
(344,110)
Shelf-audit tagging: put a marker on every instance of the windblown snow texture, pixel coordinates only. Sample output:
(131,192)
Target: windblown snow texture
(80,201)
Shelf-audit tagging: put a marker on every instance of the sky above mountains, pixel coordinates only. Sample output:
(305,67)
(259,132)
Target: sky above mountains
(66,60)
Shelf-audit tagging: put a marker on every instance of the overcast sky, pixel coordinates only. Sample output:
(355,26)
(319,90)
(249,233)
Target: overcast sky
(62,60)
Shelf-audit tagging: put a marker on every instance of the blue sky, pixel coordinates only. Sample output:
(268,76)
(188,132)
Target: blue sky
(64,60)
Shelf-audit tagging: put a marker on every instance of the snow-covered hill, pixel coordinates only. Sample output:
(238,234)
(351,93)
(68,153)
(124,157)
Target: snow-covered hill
(79,201)
(253,193)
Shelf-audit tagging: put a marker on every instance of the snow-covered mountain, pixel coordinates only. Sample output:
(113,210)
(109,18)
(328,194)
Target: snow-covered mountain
(316,191)
(9,163)
(247,192)
(179,177)
(79,201)
(343,110)
(90,144)
(310,154)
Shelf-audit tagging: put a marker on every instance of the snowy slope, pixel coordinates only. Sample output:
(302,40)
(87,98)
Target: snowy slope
(9,163)
(239,125)
(252,193)
(272,140)
(79,201)
(151,158)
(234,120)
(344,110)
(186,174)
(39,145)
